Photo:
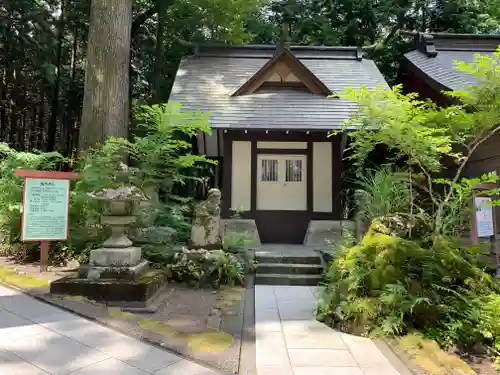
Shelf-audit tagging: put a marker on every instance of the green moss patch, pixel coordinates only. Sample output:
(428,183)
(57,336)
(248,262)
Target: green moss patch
(210,342)
(158,327)
(116,312)
(228,298)
(427,355)
(10,276)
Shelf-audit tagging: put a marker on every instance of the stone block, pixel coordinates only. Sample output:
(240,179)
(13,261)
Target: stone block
(348,225)
(155,235)
(108,257)
(127,293)
(321,233)
(206,224)
(241,226)
(117,241)
(205,237)
(118,220)
(128,273)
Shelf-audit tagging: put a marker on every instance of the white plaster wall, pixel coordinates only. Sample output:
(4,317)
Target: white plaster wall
(283,145)
(241,176)
(322,177)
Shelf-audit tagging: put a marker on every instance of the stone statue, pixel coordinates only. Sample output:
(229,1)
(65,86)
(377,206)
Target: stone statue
(205,232)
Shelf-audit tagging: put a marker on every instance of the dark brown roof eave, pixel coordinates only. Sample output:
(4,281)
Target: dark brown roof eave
(453,35)
(273,47)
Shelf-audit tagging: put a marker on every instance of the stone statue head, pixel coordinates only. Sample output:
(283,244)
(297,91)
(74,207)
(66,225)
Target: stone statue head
(214,196)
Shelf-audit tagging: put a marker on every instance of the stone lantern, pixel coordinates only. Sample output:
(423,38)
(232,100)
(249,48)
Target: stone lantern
(117,257)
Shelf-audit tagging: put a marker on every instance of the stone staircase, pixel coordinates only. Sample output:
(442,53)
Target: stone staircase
(298,265)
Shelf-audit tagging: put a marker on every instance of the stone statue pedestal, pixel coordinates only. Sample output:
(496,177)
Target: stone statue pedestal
(117,251)
(205,232)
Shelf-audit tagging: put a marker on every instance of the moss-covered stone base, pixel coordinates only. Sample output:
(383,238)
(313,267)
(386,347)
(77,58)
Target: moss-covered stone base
(118,292)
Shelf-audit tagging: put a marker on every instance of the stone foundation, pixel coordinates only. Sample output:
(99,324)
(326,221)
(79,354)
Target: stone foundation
(109,257)
(240,226)
(106,272)
(115,292)
(321,233)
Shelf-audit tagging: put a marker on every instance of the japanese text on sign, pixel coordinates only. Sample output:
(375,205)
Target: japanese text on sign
(46,209)
(484,217)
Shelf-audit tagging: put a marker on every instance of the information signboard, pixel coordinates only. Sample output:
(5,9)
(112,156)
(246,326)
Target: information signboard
(484,217)
(46,210)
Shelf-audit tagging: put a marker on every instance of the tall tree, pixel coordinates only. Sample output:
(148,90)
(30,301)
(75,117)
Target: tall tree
(106,98)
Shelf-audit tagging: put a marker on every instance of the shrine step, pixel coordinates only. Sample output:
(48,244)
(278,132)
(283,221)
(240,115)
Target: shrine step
(289,269)
(288,279)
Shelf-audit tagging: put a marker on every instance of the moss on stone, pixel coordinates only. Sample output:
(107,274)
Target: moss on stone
(10,276)
(158,327)
(116,312)
(227,298)
(210,342)
(427,355)
(148,276)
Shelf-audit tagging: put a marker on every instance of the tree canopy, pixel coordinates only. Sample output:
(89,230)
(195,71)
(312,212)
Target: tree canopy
(43,46)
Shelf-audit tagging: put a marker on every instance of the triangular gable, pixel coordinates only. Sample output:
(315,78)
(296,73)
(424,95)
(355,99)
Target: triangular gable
(284,67)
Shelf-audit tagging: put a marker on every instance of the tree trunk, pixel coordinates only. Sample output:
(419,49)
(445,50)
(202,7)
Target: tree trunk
(159,51)
(106,99)
(52,129)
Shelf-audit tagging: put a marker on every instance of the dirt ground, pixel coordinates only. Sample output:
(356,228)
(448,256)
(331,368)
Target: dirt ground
(202,324)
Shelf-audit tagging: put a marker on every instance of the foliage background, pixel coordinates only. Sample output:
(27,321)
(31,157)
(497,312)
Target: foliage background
(43,47)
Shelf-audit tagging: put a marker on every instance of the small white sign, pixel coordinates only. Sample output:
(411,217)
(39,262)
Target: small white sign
(484,217)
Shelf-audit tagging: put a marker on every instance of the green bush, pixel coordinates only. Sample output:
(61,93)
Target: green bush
(204,267)
(198,268)
(389,285)
(382,192)
(235,242)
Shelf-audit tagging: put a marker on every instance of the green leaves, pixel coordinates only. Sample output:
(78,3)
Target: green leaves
(426,137)
(410,127)
(164,150)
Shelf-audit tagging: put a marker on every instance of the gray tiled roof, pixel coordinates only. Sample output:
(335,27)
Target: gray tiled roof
(206,81)
(450,48)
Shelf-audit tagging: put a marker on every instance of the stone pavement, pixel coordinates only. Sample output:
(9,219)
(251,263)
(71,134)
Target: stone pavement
(289,340)
(39,339)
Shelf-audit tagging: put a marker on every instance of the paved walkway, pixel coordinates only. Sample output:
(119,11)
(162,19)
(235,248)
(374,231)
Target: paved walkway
(39,339)
(290,341)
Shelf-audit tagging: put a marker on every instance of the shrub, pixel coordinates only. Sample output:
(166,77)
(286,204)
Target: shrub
(11,190)
(203,267)
(235,242)
(389,285)
(382,192)
(487,315)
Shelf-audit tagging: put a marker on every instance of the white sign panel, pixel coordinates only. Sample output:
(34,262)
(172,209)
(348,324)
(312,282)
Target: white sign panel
(484,217)
(46,210)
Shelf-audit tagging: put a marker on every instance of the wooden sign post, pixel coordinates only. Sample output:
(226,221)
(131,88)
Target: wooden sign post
(45,215)
(484,225)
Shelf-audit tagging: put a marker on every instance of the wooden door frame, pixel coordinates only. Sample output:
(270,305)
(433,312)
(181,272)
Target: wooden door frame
(281,136)
(276,151)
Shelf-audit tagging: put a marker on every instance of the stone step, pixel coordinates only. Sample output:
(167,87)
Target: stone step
(287,259)
(287,268)
(287,279)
